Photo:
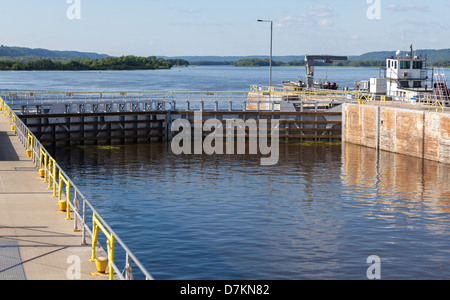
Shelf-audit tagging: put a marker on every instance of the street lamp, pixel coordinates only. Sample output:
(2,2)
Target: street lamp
(271,36)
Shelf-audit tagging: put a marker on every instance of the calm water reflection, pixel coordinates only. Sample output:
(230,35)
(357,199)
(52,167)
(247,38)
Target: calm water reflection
(318,214)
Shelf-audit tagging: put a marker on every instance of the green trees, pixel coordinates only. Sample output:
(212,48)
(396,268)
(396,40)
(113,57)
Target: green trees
(82,64)
(256,62)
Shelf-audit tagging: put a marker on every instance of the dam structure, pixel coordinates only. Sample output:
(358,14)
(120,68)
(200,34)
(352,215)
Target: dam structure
(107,118)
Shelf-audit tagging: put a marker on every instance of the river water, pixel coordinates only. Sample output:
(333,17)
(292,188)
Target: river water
(320,213)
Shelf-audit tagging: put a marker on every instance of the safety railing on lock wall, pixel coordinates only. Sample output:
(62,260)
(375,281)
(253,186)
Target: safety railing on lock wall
(166,101)
(421,101)
(73,202)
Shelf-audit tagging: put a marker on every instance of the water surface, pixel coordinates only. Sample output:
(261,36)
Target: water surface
(318,214)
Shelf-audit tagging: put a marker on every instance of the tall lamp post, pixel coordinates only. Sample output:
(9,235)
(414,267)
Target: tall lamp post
(271,36)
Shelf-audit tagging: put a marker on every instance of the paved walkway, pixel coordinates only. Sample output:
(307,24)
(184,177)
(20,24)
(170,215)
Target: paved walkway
(36,241)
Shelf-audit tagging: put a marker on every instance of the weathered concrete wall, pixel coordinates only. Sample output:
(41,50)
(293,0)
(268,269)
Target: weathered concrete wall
(416,133)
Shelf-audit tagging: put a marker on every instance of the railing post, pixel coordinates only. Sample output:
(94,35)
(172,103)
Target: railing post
(83,225)
(94,236)
(76,209)
(128,268)
(68,200)
(110,243)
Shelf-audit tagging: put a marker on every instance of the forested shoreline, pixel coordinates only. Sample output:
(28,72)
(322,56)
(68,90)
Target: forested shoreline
(85,64)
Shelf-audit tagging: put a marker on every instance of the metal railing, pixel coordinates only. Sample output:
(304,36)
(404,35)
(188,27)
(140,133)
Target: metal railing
(74,202)
(422,101)
(257,99)
(168,100)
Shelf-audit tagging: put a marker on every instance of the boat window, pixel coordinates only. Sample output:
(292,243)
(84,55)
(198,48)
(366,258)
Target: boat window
(405,64)
(417,65)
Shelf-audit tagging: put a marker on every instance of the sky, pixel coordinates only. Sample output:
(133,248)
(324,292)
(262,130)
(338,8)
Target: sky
(225,28)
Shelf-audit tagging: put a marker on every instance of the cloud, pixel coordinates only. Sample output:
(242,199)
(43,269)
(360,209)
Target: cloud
(407,7)
(324,22)
(317,15)
(192,10)
(321,11)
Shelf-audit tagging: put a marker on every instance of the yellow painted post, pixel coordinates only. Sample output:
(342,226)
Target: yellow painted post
(94,236)
(54,178)
(13,123)
(52,175)
(383,100)
(42,164)
(68,200)
(111,256)
(59,186)
(49,173)
(30,146)
(45,165)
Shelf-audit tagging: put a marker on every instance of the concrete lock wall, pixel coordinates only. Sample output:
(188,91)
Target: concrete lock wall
(416,133)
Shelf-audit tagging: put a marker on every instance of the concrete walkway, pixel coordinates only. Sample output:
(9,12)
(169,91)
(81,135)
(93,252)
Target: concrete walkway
(36,241)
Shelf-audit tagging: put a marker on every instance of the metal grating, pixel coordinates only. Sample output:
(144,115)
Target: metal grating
(20,169)
(10,261)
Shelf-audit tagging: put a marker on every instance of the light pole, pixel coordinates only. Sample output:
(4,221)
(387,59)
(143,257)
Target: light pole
(271,36)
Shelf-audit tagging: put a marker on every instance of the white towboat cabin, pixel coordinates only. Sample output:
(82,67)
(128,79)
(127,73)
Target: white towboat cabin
(406,77)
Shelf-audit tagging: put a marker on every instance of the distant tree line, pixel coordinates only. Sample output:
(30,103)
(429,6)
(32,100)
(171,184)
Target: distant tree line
(441,64)
(83,64)
(258,62)
(247,62)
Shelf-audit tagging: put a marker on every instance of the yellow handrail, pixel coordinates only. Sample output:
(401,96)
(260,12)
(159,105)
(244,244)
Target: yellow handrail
(43,158)
(49,170)
(62,180)
(96,225)
(29,149)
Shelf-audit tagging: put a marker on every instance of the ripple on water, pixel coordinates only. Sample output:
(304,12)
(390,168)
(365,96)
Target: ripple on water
(318,214)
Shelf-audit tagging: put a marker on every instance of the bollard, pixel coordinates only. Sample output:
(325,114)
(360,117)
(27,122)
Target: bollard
(29,152)
(101,264)
(62,205)
(42,173)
